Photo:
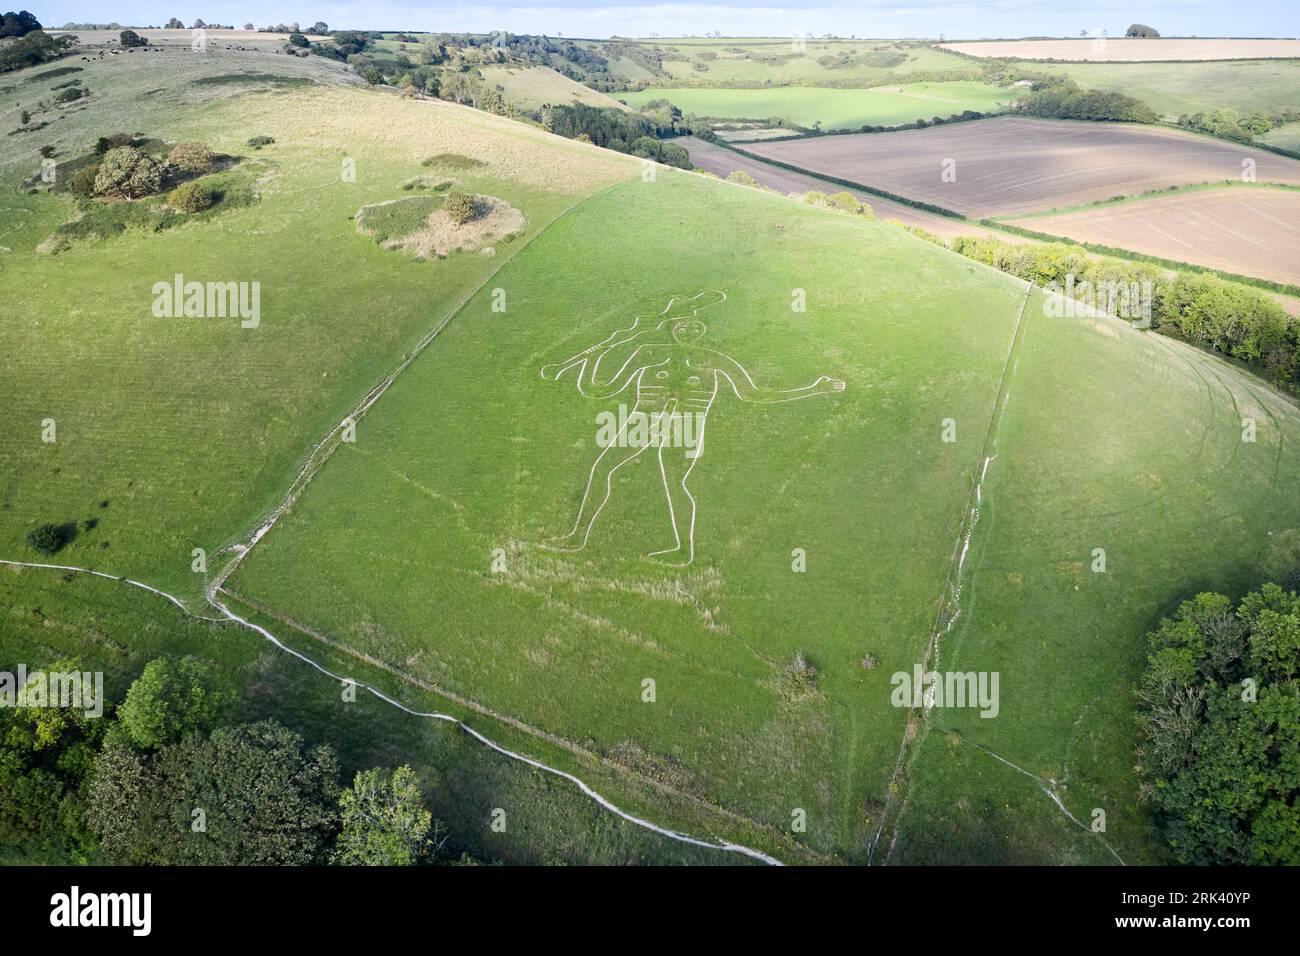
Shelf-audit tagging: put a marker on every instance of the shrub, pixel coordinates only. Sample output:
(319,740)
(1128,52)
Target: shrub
(193,157)
(742,177)
(802,673)
(130,38)
(126,171)
(850,203)
(297,39)
(70,94)
(105,143)
(83,180)
(460,206)
(191,197)
(172,698)
(257,142)
(1065,100)
(46,538)
(453,161)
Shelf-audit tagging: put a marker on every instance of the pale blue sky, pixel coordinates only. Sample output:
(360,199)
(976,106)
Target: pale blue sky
(601,18)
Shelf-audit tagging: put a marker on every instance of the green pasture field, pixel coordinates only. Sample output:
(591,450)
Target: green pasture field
(531,88)
(179,433)
(833,108)
(390,549)
(114,628)
(1153,194)
(1113,439)
(778,61)
(414,559)
(1175,88)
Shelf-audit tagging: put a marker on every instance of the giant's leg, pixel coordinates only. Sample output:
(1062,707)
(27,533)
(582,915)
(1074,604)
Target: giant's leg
(600,485)
(676,460)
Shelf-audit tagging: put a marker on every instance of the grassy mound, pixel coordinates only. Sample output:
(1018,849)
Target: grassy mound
(396,218)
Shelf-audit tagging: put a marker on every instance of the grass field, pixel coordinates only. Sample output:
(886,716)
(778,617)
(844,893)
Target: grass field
(250,39)
(414,559)
(1172,89)
(413,583)
(117,629)
(258,397)
(778,61)
(833,108)
(530,88)
(1110,439)
(1013,165)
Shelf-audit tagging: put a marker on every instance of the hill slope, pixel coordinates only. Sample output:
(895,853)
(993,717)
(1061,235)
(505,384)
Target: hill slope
(954,489)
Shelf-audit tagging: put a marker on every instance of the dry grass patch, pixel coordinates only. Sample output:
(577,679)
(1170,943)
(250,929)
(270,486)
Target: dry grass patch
(411,130)
(414,225)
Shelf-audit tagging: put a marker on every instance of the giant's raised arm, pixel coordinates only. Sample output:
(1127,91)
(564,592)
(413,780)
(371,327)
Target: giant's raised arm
(747,390)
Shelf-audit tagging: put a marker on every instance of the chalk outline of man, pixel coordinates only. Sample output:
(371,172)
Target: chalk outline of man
(665,402)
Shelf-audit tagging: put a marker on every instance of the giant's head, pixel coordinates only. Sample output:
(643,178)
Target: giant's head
(687,331)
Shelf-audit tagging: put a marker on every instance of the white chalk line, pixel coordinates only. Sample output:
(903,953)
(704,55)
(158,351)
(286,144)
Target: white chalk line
(951,589)
(1055,797)
(230,617)
(113,577)
(305,474)
(587,363)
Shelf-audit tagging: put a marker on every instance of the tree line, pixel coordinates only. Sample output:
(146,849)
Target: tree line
(1198,307)
(1219,729)
(165,778)
(640,134)
(1061,98)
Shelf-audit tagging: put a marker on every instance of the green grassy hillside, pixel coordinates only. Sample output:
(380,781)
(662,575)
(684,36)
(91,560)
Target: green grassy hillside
(782,60)
(472,450)
(1175,88)
(833,108)
(1116,440)
(956,487)
(178,433)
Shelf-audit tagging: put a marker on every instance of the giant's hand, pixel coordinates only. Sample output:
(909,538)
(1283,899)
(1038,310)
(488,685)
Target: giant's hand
(826,383)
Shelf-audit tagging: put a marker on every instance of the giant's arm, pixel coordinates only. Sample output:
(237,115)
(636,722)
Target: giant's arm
(613,340)
(748,390)
(624,377)
(587,362)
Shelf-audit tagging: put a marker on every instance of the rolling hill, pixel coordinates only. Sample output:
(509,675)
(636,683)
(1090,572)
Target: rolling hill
(911,459)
